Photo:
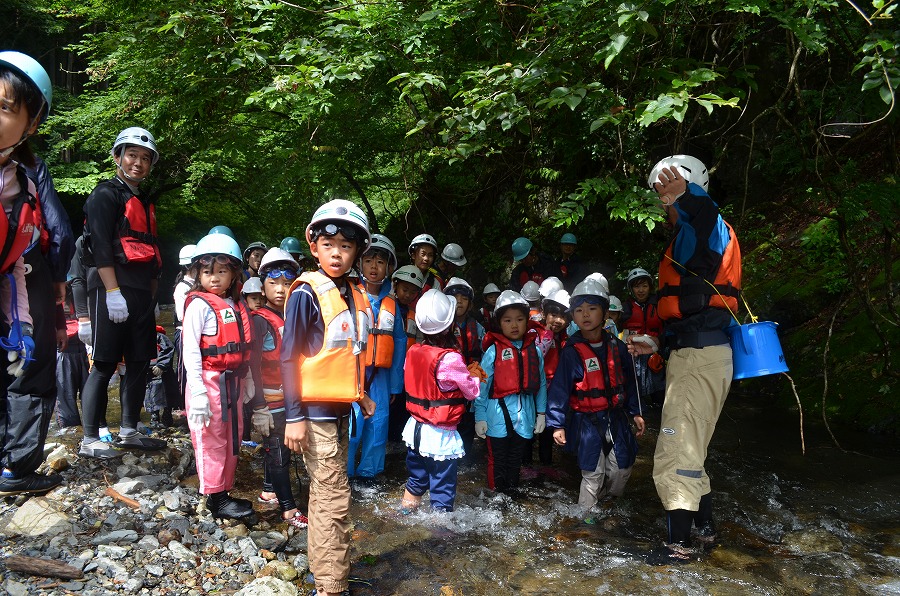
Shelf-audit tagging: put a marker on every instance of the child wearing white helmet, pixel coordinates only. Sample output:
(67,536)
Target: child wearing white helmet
(385,355)
(512,399)
(407,282)
(485,315)
(215,323)
(640,317)
(555,309)
(440,386)
(593,398)
(469,335)
(278,270)
(423,253)
(615,312)
(252,292)
(531,292)
(326,328)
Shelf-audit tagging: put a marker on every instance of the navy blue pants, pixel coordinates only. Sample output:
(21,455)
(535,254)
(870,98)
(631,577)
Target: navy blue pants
(438,477)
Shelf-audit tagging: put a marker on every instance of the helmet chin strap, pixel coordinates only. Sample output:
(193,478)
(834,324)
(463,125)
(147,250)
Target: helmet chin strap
(130,178)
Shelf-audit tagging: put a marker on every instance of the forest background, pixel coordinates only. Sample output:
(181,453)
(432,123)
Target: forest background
(482,120)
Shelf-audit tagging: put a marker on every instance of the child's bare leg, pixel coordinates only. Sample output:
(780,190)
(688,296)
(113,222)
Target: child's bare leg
(410,501)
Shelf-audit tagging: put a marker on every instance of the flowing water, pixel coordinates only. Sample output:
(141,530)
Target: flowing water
(824,523)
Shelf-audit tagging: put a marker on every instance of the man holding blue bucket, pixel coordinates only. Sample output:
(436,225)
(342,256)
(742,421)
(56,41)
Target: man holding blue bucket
(699,282)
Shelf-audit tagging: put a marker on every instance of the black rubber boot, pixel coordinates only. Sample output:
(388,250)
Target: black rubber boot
(703,520)
(221,505)
(677,550)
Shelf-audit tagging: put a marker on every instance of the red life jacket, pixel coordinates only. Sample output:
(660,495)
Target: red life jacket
(137,237)
(229,348)
(425,401)
(682,295)
(602,385)
(468,340)
(516,370)
(270,363)
(551,358)
(487,317)
(22,228)
(643,319)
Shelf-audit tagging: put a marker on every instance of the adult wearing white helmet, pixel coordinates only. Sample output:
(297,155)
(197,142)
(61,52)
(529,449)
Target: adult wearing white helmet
(422,251)
(699,368)
(121,247)
(510,409)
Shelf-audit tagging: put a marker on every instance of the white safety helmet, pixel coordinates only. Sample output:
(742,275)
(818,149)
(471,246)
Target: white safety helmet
(560,297)
(435,311)
(422,239)
(217,244)
(549,286)
(491,288)
(690,167)
(186,254)
(600,279)
(341,212)
(453,253)
(277,256)
(457,285)
(136,135)
(615,305)
(531,291)
(411,274)
(636,274)
(590,287)
(509,298)
(384,243)
(252,286)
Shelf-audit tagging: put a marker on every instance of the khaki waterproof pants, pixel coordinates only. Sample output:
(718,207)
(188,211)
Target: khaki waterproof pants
(328,543)
(697,382)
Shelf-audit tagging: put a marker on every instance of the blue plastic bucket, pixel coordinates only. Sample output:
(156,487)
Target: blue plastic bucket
(756,350)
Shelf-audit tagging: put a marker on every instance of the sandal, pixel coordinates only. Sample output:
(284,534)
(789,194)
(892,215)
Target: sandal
(298,521)
(262,499)
(671,554)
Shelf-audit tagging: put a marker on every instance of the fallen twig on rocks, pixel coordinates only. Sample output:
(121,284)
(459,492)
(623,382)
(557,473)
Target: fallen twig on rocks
(42,567)
(111,492)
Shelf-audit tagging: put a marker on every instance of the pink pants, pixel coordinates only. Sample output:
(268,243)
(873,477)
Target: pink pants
(213,445)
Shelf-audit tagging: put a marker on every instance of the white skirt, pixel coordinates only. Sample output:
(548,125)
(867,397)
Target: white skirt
(437,443)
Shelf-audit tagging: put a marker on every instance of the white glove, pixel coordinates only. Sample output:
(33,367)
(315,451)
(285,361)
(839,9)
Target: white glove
(249,391)
(116,306)
(540,423)
(85,333)
(481,428)
(262,420)
(199,412)
(646,339)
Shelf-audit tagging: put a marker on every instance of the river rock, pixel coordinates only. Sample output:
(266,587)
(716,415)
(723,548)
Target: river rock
(280,569)
(812,541)
(112,551)
(14,588)
(129,486)
(37,517)
(268,586)
(115,537)
(181,551)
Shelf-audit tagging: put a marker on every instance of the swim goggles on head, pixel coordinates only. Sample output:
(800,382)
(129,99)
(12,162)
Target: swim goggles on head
(288,274)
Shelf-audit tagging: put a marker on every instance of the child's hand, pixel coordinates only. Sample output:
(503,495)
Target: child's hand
(540,423)
(296,437)
(476,371)
(559,436)
(367,406)
(639,423)
(481,428)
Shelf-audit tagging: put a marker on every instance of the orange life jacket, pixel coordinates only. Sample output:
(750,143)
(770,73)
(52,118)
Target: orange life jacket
(468,340)
(337,373)
(411,328)
(683,294)
(516,370)
(229,348)
(22,228)
(425,401)
(602,385)
(380,347)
